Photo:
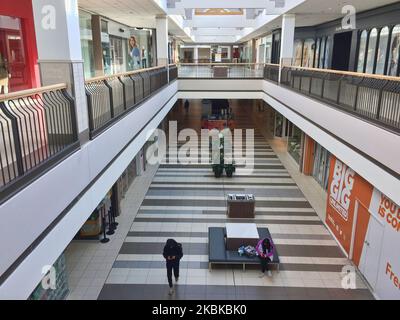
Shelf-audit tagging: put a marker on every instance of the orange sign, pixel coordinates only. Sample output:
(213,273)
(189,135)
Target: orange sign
(345,188)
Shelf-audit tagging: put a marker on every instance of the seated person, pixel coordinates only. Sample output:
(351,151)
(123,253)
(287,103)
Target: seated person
(265,250)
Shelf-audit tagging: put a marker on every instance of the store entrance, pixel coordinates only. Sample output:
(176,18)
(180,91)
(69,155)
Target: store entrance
(341,51)
(13,69)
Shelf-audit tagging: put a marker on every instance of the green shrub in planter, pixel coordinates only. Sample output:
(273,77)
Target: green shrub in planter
(230,169)
(218,170)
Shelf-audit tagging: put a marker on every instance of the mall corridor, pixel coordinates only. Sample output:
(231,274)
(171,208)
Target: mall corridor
(183,201)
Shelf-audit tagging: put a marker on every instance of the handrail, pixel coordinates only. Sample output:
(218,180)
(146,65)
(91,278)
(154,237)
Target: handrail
(348,73)
(110,97)
(31,92)
(122,74)
(220,63)
(372,97)
(39,129)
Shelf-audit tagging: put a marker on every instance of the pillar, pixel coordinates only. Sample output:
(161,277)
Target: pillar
(253,51)
(287,40)
(97,46)
(162,40)
(59,52)
(196,55)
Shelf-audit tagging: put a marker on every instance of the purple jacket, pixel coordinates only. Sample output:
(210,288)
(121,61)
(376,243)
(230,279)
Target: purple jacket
(260,251)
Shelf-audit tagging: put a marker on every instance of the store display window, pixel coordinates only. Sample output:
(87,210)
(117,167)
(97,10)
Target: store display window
(298,53)
(374,58)
(322,53)
(308,53)
(321,165)
(394,53)
(85,24)
(279,125)
(14,74)
(327,52)
(382,50)
(373,39)
(294,145)
(140,49)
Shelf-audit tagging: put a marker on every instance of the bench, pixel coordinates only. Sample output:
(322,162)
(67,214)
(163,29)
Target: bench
(217,253)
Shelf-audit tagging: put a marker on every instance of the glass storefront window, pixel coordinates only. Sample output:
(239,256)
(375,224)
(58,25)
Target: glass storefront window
(13,66)
(322,53)
(382,50)
(118,57)
(317,53)
(394,52)
(85,23)
(294,143)
(321,165)
(308,53)
(362,49)
(298,53)
(327,52)
(373,38)
(106,47)
(268,49)
(140,49)
(279,122)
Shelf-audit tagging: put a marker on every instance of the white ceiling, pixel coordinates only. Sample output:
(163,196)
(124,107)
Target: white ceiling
(134,13)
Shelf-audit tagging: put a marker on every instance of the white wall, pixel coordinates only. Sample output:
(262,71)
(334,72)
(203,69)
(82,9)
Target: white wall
(31,211)
(378,143)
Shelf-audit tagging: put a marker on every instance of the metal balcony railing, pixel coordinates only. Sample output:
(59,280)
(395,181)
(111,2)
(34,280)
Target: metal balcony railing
(111,97)
(221,70)
(373,97)
(271,72)
(38,129)
(173,72)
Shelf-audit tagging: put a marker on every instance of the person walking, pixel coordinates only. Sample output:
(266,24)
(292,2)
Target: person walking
(265,250)
(187,106)
(173,253)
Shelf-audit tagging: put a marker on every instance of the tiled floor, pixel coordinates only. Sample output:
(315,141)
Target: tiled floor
(89,262)
(183,201)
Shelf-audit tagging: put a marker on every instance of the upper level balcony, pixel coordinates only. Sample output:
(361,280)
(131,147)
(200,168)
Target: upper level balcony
(39,126)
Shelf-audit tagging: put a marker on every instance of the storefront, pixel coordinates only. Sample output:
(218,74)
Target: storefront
(145,56)
(122,48)
(372,46)
(316,162)
(367,225)
(85,23)
(18,51)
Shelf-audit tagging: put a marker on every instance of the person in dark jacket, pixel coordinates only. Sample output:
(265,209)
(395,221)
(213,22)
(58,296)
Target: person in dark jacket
(173,253)
(187,106)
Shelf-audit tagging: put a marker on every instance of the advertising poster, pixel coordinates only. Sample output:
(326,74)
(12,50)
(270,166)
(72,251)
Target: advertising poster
(367,225)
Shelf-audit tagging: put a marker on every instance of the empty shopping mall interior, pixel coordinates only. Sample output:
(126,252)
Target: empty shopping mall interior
(187,150)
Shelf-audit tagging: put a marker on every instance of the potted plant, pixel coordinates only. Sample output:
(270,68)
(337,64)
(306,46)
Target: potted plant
(218,170)
(230,169)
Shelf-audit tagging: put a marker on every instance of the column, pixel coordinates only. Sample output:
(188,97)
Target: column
(195,55)
(287,40)
(97,46)
(162,40)
(253,51)
(59,52)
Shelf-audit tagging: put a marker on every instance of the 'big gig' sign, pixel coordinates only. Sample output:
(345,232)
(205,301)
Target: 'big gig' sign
(340,189)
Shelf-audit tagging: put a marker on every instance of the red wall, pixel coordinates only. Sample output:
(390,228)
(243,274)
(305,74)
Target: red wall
(23,9)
